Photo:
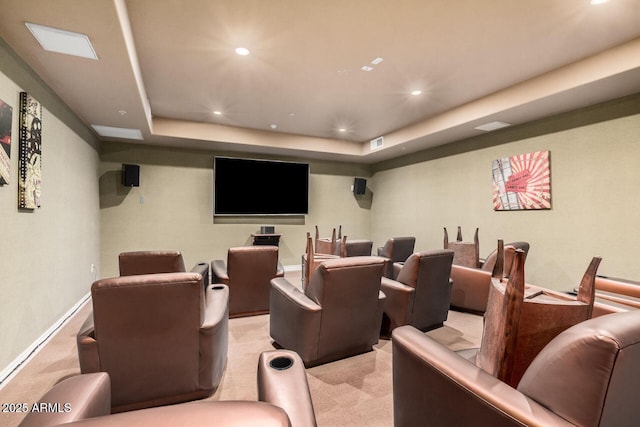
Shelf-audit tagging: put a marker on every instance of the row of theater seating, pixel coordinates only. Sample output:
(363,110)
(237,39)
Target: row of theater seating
(283,401)
(546,357)
(324,310)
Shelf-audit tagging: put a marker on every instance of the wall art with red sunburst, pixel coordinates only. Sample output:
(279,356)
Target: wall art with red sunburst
(522,182)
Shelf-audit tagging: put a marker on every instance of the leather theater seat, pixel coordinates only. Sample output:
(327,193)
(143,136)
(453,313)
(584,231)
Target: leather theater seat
(151,262)
(586,376)
(397,250)
(284,400)
(338,315)
(162,338)
(247,272)
(421,293)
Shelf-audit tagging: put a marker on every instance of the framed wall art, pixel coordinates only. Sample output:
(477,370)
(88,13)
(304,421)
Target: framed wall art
(30,152)
(522,182)
(6,115)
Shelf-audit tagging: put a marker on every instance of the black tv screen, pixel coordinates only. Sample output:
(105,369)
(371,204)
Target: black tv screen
(260,187)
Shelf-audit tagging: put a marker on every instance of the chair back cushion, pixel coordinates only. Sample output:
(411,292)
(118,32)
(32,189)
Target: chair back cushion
(590,373)
(358,248)
(150,262)
(347,289)
(250,270)
(428,273)
(403,247)
(147,327)
(433,288)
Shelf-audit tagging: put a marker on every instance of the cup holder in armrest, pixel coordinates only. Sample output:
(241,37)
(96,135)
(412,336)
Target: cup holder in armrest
(281,363)
(217,287)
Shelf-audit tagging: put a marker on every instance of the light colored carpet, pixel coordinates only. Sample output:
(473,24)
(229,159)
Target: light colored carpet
(351,392)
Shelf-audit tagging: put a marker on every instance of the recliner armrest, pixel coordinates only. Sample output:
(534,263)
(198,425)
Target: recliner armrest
(290,306)
(429,380)
(398,304)
(214,336)
(396,267)
(282,381)
(79,397)
(202,268)
(216,305)
(293,294)
(470,289)
(280,270)
(88,347)
(219,272)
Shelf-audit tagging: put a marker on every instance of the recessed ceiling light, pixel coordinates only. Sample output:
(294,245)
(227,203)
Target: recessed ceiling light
(377,61)
(342,130)
(273,126)
(217,113)
(115,132)
(366,68)
(61,41)
(598,1)
(492,126)
(416,92)
(242,51)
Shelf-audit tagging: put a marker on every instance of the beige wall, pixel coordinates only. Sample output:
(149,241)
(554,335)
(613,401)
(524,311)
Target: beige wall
(594,198)
(595,188)
(46,253)
(173,207)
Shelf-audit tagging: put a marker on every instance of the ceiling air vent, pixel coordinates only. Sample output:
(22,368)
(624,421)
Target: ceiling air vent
(377,143)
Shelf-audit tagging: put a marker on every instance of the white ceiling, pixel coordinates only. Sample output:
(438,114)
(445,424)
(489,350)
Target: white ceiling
(170,63)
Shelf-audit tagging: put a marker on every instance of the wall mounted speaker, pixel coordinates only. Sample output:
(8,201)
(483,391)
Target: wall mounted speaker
(359,186)
(131,175)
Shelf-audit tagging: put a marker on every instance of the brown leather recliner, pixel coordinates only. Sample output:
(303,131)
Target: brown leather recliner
(421,293)
(397,250)
(337,316)
(247,271)
(587,376)
(150,262)
(284,400)
(357,247)
(161,337)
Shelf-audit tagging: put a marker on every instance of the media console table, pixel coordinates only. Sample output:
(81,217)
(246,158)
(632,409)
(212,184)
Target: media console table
(265,239)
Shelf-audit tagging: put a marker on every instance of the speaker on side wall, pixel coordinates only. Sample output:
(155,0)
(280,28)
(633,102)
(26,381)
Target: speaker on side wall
(359,186)
(131,175)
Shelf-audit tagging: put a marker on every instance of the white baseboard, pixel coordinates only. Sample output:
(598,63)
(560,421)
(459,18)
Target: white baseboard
(17,364)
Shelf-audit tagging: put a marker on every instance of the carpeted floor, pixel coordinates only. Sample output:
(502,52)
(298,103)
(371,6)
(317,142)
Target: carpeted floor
(350,392)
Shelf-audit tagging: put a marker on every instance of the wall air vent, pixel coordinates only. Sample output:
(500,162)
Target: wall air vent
(377,143)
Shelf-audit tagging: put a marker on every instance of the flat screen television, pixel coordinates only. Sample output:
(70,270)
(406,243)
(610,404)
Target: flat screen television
(260,187)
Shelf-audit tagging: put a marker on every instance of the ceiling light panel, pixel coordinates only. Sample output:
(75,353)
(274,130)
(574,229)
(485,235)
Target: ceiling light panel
(492,126)
(114,132)
(61,41)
